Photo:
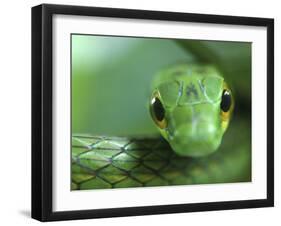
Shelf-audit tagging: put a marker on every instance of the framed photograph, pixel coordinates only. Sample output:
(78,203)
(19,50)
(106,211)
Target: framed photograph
(145,112)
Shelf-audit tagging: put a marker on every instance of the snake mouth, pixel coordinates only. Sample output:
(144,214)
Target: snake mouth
(197,141)
(194,148)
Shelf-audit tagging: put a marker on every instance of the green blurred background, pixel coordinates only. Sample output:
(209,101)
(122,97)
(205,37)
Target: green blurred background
(111,79)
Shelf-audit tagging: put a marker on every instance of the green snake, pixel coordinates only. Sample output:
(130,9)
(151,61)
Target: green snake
(191,105)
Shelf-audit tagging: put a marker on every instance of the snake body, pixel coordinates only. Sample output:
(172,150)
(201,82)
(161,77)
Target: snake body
(103,162)
(187,107)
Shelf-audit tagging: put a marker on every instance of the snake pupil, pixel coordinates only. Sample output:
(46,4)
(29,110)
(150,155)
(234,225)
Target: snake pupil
(225,100)
(158,109)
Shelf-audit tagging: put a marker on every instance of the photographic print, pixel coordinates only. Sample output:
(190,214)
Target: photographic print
(159,112)
(138,112)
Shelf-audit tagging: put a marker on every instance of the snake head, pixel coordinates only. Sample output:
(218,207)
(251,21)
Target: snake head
(192,109)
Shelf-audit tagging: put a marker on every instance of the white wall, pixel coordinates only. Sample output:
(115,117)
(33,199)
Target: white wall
(15,111)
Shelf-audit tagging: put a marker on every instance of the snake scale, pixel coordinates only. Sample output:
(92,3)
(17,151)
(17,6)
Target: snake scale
(100,162)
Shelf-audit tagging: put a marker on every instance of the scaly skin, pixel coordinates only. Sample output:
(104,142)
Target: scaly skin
(112,162)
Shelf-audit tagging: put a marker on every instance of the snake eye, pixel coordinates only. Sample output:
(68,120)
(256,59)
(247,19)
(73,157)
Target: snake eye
(157,112)
(227,106)
(226,100)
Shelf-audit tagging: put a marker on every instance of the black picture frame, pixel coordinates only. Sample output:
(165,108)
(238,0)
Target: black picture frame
(42,106)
